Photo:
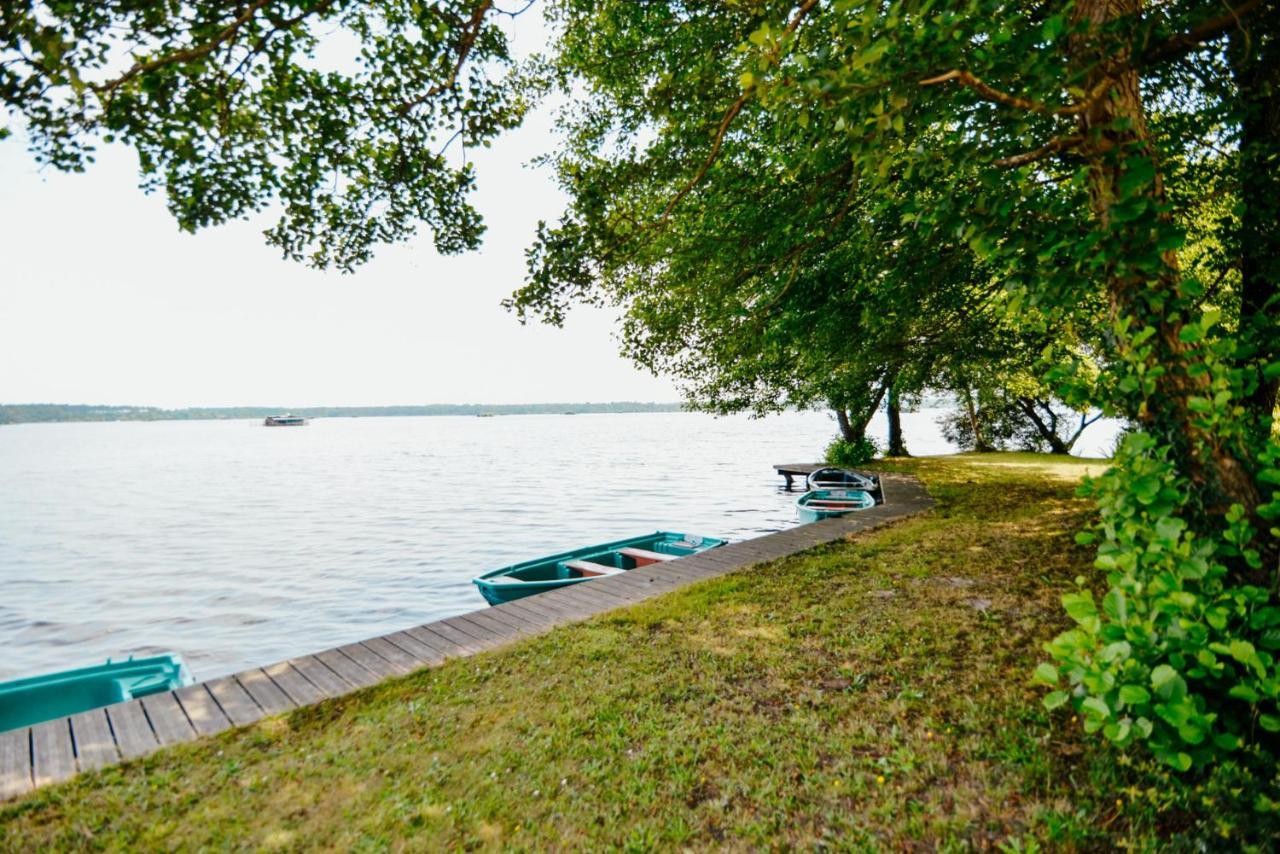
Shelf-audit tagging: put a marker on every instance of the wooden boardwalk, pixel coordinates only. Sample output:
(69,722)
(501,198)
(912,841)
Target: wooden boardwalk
(58,749)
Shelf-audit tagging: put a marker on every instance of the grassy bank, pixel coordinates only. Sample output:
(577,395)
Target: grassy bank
(873,692)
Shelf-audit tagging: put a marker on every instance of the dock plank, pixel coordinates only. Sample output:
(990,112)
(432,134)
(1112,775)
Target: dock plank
(327,682)
(425,654)
(201,709)
(481,630)
(451,643)
(234,701)
(371,661)
(15,763)
(295,686)
(394,654)
(168,720)
(352,673)
(95,745)
(132,729)
(473,637)
(53,755)
(505,623)
(269,697)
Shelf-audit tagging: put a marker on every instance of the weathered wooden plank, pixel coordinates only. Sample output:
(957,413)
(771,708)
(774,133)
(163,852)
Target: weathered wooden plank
(484,629)
(297,687)
(201,709)
(53,755)
(15,763)
(325,681)
(473,637)
(168,721)
(371,661)
(95,745)
(527,623)
(441,644)
(557,606)
(424,653)
(505,623)
(266,693)
(351,672)
(133,732)
(234,701)
(548,616)
(525,614)
(399,659)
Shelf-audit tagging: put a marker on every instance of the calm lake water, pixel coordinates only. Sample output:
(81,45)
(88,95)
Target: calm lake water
(238,545)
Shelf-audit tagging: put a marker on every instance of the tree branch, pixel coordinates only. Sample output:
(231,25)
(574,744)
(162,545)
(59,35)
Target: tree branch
(465,44)
(187,54)
(1053,146)
(729,116)
(989,93)
(1193,38)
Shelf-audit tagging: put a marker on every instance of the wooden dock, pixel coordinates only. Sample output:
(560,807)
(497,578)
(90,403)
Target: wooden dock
(800,470)
(56,750)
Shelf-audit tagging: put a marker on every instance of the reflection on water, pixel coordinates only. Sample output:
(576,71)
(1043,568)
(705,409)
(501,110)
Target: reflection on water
(236,545)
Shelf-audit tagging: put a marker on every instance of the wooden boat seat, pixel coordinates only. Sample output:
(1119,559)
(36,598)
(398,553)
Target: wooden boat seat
(644,557)
(589,569)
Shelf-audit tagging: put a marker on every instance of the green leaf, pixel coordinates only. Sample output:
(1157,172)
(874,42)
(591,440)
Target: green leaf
(1054,699)
(1080,606)
(1045,674)
(1133,695)
(1167,683)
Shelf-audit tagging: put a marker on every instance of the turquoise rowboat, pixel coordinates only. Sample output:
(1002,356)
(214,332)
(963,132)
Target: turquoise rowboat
(55,695)
(584,564)
(830,503)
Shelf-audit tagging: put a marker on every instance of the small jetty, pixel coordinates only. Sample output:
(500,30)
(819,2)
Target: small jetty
(56,750)
(800,470)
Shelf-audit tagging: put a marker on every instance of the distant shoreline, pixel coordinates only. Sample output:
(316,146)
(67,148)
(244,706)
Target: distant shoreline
(49,413)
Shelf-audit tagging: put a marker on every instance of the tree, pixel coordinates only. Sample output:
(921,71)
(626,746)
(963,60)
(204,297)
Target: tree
(1021,143)
(340,112)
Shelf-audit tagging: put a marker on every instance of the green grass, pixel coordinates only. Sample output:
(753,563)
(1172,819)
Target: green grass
(872,693)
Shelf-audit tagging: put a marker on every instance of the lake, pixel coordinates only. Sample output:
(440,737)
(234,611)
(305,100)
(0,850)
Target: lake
(238,545)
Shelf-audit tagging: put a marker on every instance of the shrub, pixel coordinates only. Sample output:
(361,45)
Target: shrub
(1180,654)
(842,452)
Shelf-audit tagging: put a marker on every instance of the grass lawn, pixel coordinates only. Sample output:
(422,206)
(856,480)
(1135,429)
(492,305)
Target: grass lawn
(872,693)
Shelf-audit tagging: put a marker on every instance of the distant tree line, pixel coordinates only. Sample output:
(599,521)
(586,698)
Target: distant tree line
(28,413)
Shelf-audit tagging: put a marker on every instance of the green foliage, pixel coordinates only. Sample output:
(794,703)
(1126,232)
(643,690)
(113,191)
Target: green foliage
(339,113)
(848,454)
(1178,654)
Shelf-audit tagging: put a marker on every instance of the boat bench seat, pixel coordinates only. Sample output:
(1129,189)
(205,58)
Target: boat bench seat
(587,568)
(644,557)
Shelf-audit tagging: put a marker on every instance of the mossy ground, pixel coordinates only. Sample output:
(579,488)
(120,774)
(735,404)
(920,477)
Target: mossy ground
(872,693)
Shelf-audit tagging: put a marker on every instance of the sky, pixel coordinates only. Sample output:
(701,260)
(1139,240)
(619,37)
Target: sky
(103,300)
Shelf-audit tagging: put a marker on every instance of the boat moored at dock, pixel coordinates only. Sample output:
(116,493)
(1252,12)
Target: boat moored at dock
(830,503)
(55,695)
(584,564)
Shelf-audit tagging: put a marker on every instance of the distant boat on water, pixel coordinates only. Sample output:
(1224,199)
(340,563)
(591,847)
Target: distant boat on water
(285,421)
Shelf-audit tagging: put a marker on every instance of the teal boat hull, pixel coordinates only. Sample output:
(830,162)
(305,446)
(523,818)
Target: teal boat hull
(55,695)
(557,571)
(832,503)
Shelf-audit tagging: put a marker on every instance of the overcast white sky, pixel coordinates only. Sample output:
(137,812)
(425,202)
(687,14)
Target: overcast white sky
(103,300)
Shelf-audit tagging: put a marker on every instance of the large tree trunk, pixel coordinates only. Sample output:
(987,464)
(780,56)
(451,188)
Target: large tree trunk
(1117,142)
(980,443)
(1256,65)
(853,422)
(846,426)
(893,409)
(1048,432)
